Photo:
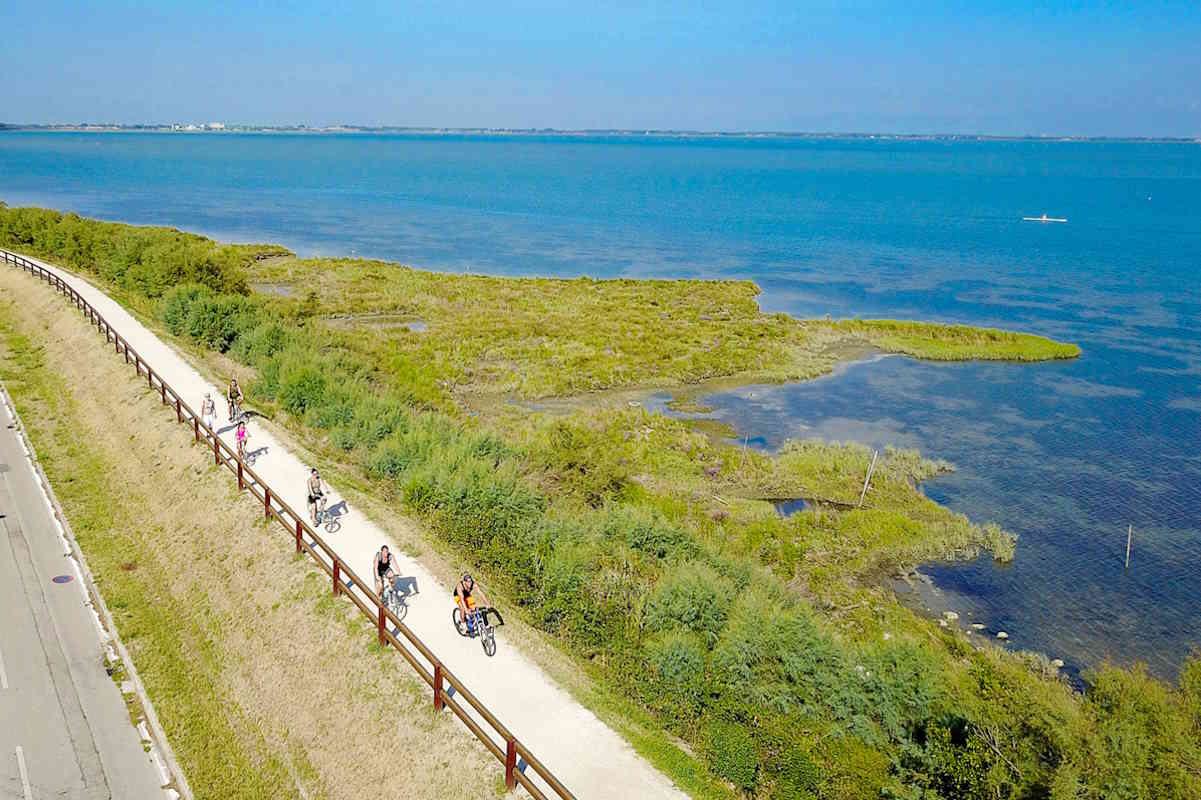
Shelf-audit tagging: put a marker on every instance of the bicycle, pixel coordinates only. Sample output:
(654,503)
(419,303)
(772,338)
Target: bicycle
(325,518)
(480,626)
(393,600)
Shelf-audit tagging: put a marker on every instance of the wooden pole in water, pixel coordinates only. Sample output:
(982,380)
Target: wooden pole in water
(1129,536)
(868,479)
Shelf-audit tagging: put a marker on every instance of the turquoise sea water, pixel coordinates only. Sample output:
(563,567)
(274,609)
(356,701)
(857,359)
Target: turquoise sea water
(1066,455)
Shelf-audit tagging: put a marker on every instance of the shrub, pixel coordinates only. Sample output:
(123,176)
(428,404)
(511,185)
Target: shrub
(390,460)
(775,656)
(376,419)
(561,586)
(177,303)
(732,754)
(799,778)
(954,763)
(1190,690)
(343,438)
(300,388)
(215,321)
(334,408)
(261,343)
(694,598)
(646,531)
(580,462)
(901,688)
(679,658)
(147,261)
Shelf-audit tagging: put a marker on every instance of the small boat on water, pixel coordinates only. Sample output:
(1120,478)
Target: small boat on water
(1044,218)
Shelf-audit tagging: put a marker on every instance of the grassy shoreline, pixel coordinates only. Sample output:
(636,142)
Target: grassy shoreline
(636,541)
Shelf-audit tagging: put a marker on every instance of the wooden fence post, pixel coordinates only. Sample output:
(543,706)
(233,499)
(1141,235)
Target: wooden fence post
(438,687)
(511,765)
(868,479)
(266,502)
(299,533)
(240,485)
(216,450)
(382,619)
(178,412)
(337,576)
(196,427)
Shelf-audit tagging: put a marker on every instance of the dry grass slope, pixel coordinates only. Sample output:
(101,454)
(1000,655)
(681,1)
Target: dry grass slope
(267,688)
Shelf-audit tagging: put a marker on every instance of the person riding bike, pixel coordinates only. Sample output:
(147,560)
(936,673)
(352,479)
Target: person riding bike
(240,436)
(233,396)
(385,574)
(469,597)
(316,488)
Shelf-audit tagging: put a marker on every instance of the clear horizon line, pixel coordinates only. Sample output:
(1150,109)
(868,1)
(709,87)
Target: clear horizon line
(205,127)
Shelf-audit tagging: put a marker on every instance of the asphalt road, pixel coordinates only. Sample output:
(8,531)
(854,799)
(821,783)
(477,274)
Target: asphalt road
(64,728)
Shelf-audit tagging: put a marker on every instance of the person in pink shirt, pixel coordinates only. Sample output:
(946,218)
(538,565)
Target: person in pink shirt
(240,437)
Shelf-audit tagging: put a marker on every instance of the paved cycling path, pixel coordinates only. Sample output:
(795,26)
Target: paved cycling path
(588,756)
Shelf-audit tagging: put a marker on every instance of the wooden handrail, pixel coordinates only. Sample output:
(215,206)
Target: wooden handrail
(436,675)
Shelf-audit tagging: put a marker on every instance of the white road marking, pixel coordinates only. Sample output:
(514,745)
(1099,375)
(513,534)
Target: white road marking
(3,674)
(24,773)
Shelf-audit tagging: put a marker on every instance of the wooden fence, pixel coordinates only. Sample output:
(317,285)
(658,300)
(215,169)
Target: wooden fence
(449,691)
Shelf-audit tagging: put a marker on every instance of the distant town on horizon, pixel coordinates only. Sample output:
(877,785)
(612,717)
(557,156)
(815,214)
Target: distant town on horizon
(222,127)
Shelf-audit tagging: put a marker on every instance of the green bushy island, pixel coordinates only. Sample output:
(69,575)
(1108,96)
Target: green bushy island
(762,648)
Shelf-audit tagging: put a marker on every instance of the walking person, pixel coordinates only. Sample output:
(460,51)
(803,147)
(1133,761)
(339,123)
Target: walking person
(316,488)
(208,412)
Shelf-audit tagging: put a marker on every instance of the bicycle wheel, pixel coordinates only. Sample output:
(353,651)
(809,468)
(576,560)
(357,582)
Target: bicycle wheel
(456,617)
(489,642)
(332,525)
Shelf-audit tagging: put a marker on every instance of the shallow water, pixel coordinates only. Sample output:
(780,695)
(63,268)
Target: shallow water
(1036,452)
(1067,454)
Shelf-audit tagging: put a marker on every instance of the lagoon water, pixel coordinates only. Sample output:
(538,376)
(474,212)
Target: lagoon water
(1066,455)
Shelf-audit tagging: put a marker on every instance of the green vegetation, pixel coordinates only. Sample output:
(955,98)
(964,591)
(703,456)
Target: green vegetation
(539,337)
(646,547)
(954,342)
(192,574)
(222,754)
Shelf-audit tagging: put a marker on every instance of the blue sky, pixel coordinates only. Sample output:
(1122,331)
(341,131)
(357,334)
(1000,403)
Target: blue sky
(1085,68)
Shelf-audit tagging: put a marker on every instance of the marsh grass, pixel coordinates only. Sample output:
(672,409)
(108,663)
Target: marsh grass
(641,543)
(538,337)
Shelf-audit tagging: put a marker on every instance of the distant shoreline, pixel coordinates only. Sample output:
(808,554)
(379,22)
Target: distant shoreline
(614,132)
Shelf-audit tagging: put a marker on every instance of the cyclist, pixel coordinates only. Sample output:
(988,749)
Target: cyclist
(469,597)
(233,396)
(316,494)
(384,572)
(208,412)
(240,437)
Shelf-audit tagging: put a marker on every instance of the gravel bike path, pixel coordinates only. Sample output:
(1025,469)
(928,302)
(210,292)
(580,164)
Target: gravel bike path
(583,752)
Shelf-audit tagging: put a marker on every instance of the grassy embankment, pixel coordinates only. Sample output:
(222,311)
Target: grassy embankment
(637,540)
(228,630)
